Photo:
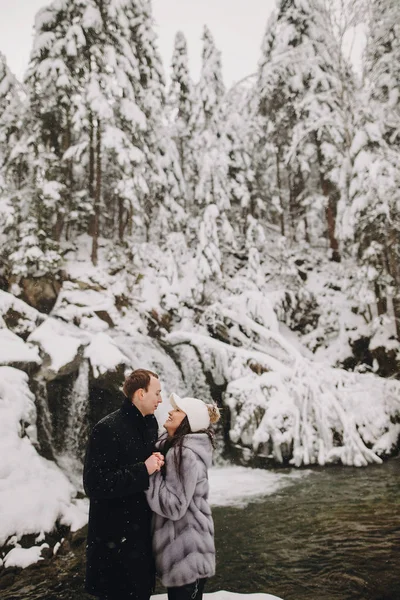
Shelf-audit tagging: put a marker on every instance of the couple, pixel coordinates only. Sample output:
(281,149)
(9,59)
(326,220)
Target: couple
(149,498)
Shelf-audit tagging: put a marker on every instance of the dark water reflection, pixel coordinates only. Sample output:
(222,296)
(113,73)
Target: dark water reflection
(334,535)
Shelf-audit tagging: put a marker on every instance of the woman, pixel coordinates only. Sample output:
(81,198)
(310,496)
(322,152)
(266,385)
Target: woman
(183,529)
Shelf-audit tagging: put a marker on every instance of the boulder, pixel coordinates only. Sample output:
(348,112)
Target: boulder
(14,352)
(17,316)
(61,345)
(40,292)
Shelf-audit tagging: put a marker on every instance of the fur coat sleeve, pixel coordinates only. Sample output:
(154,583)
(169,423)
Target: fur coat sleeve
(170,497)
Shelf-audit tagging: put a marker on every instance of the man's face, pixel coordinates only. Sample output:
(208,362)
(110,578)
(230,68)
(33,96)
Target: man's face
(152,397)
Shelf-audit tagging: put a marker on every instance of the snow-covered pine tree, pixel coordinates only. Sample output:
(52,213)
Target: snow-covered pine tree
(37,181)
(95,138)
(269,194)
(164,183)
(374,213)
(54,87)
(11,112)
(299,91)
(11,99)
(54,142)
(148,186)
(274,123)
(180,104)
(208,256)
(236,125)
(116,96)
(209,144)
(210,88)
(254,273)
(327,109)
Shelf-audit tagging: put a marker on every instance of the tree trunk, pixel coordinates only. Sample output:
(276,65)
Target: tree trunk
(396,311)
(123,219)
(381,301)
(59,226)
(70,178)
(306,231)
(278,183)
(296,189)
(330,213)
(97,196)
(67,176)
(331,204)
(91,168)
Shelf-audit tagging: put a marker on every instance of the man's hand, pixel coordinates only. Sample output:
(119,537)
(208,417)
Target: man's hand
(154,462)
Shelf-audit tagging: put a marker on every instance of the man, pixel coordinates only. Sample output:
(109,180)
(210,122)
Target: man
(119,461)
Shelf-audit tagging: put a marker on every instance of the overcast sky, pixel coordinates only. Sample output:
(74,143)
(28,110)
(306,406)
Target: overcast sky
(237,26)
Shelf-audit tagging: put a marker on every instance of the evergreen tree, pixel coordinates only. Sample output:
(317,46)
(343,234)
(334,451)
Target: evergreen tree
(208,253)
(180,103)
(11,107)
(164,182)
(11,112)
(208,144)
(300,90)
(95,134)
(237,126)
(374,213)
(254,273)
(210,89)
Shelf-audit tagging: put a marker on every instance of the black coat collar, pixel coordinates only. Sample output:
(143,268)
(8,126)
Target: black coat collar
(131,411)
(135,416)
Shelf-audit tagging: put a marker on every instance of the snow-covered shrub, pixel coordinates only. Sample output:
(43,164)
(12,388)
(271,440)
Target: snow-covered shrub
(288,408)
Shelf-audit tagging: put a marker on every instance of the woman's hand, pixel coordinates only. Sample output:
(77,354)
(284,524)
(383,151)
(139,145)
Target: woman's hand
(154,462)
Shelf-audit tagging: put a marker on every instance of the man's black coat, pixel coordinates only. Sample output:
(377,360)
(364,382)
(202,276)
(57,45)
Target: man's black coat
(119,556)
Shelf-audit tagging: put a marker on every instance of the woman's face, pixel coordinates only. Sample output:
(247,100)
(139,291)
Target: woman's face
(175,418)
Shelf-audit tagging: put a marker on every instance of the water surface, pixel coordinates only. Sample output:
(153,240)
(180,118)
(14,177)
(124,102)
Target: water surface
(333,535)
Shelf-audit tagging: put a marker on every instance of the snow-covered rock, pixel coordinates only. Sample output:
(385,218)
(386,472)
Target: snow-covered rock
(18,316)
(15,352)
(93,310)
(24,557)
(61,343)
(104,355)
(34,492)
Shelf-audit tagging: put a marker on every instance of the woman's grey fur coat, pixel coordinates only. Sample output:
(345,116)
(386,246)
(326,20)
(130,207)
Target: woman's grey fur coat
(183,529)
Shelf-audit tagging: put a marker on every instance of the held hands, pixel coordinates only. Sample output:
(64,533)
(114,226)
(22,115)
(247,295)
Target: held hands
(154,462)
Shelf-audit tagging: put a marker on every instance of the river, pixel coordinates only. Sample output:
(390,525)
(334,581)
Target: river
(333,535)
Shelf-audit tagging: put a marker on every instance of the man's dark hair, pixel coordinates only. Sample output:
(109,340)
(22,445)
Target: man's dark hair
(138,379)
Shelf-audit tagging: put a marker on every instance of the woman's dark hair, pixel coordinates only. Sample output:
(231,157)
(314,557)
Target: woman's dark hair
(177,441)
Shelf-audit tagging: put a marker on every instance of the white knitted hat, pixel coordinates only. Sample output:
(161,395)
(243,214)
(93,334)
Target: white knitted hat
(196,411)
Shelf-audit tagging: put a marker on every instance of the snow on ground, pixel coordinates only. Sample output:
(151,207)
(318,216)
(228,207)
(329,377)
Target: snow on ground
(224,595)
(238,486)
